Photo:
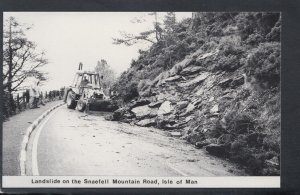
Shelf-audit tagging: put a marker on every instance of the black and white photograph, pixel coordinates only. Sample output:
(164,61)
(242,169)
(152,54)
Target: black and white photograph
(141,99)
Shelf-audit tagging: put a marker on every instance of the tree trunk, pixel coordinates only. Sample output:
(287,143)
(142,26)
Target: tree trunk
(10,67)
(10,64)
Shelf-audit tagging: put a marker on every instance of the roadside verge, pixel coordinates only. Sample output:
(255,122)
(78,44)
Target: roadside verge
(13,133)
(27,136)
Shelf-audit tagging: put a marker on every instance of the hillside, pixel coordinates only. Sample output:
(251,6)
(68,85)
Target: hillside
(213,80)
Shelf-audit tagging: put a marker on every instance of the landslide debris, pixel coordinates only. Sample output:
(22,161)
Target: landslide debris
(216,86)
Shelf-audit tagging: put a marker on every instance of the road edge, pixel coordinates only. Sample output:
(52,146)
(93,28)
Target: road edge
(29,130)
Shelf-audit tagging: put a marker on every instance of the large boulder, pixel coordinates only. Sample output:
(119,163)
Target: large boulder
(144,111)
(165,108)
(118,114)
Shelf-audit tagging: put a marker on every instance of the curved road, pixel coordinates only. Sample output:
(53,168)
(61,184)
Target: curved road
(69,142)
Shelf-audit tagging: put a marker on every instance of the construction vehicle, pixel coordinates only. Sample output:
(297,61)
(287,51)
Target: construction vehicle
(86,93)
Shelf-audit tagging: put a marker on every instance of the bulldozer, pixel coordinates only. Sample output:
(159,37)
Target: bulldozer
(86,93)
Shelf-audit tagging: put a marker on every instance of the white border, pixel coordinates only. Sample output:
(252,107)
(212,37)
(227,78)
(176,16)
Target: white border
(107,182)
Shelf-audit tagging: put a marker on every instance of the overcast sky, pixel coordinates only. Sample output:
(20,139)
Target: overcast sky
(72,37)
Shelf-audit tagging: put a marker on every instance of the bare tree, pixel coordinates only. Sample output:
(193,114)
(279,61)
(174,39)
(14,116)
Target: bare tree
(20,56)
(107,74)
(153,36)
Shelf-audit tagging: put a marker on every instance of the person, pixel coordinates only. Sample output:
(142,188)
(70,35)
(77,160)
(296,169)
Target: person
(84,82)
(34,93)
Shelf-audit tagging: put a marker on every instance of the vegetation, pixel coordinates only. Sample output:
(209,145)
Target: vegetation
(21,60)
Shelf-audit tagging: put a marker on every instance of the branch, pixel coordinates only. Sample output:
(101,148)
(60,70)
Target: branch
(24,58)
(130,39)
(21,81)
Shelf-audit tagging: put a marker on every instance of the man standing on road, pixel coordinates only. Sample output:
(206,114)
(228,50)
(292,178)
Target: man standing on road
(34,93)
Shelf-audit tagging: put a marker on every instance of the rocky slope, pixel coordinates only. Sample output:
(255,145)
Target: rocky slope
(223,97)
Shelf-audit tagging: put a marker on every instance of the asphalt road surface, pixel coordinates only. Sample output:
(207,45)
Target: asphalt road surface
(69,142)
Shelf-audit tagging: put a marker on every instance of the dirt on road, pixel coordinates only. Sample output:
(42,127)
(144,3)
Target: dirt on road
(75,143)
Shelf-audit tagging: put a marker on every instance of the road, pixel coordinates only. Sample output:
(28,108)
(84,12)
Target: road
(69,142)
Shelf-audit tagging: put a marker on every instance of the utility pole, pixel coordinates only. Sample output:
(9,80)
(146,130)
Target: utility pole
(156,27)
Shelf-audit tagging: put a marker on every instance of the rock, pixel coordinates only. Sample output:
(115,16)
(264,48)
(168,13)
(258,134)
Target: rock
(144,111)
(191,160)
(191,70)
(161,97)
(174,98)
(165,108)
(175,134)
(225,83)
(203,56)
(146,123)
(214,109)
(190,108)
(194,138)
(140,102)
(118,114)
(166,122)
(127,120)
(182,104)
(237,82)
(196,80)
(225,139)
(197,101)
(108,117)
(173,78)
(171,127)
(211,99)
(155,104)
(187,119)
(201,144)
(199,92)
(218,150)
(274,162)
(180,65)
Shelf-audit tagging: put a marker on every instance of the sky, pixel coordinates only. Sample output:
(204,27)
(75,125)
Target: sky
(72,37)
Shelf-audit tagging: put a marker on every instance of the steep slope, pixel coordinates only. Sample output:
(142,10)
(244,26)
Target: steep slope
(223,95)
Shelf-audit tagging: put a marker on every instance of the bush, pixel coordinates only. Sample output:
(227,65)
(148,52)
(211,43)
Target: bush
(263,64)
(131,91)
(256,24)
(229,63)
